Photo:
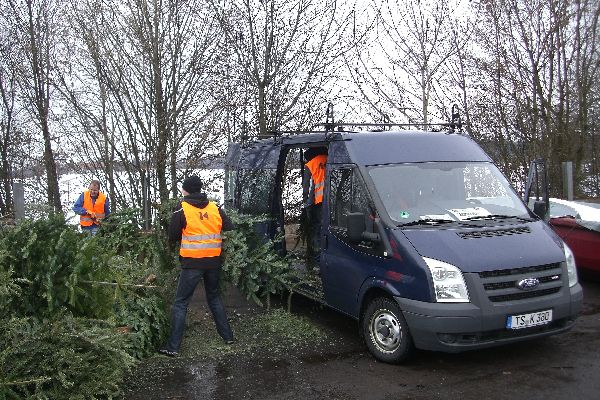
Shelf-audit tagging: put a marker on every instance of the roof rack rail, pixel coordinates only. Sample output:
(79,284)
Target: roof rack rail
(382,124)
(330,126)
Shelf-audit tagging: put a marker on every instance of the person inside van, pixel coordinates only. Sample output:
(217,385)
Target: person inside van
(313,188)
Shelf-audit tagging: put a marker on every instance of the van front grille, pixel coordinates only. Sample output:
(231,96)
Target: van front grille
(503,285)
(512,284)
(519,271)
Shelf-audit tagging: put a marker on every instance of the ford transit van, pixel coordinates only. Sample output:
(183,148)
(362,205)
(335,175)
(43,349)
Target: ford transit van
(422,240)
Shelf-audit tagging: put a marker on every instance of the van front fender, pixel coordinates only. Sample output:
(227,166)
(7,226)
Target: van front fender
(374,287)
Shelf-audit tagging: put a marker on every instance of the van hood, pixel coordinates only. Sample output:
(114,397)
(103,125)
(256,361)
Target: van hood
(489,248)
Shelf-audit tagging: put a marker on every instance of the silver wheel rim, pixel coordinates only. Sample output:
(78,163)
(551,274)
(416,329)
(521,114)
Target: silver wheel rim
(385,331)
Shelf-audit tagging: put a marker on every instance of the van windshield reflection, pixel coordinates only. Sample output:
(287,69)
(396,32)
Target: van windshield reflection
(443,192)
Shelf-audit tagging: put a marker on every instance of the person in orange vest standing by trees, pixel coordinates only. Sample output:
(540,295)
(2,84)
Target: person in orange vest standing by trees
(92,206)
(197,224)
(314,187)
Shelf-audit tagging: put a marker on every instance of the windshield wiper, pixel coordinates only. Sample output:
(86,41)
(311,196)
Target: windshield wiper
(428,221)
(495,216)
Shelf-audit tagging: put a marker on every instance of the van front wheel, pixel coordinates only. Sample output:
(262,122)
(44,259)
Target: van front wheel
(386,332)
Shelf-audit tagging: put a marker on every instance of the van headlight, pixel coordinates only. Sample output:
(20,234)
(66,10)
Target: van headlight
(571,267)
(448,282)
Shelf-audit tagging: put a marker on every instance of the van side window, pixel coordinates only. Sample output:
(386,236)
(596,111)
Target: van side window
(340,195)
(348,194)
(256,188)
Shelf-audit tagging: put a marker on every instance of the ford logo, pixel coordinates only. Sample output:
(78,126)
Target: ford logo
(528,283)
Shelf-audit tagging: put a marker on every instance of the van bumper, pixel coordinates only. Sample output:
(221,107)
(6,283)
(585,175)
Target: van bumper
(456,327)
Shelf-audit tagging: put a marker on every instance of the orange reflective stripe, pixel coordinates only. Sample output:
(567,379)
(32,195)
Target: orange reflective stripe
(201,246)
(96,207)
(202,235)
(319,187)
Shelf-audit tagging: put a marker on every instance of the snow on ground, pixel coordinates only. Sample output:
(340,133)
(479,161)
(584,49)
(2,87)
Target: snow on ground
(72,185)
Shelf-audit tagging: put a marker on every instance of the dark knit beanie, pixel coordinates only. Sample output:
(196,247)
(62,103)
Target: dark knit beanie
(192,184)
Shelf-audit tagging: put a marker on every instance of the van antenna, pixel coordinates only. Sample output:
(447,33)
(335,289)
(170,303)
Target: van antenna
(455,122)
(387,121)
(329,123)
(277,125)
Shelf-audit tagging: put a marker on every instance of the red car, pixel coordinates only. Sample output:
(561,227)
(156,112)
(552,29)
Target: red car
(578,224)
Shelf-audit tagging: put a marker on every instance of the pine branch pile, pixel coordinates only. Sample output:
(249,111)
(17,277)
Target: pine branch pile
(65,333)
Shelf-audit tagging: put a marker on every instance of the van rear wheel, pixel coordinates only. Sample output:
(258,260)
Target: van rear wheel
(386,332)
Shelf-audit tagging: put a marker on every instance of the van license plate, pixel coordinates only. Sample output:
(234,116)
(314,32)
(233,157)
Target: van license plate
(529,320)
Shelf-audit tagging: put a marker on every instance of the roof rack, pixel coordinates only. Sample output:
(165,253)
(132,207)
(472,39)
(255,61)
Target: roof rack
(330,126)
(341,125)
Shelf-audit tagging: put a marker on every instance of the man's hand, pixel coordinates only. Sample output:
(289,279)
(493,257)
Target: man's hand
(92,214)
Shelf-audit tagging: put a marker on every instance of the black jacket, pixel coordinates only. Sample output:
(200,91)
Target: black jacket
(178,223)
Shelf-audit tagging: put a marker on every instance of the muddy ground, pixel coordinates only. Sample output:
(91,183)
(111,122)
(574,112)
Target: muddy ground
(333,363)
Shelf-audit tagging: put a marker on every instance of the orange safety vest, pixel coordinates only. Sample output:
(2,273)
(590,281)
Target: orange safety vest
(96,207)
(201,236)
(317,170)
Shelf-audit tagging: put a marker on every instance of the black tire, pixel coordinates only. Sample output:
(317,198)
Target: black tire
(386,332)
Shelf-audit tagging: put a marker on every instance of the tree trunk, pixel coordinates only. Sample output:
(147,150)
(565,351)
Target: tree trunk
(162,129)
(40,68)
(6,180)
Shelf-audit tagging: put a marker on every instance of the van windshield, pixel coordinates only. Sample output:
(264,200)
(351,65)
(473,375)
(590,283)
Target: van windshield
(440,192)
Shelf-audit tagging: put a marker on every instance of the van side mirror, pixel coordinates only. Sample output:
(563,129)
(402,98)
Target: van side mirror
(539,209)
(355,223)
(357,228)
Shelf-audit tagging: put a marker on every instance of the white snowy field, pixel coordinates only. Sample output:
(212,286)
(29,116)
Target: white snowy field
(72,185)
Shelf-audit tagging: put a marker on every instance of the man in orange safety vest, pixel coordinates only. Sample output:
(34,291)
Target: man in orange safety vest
(92,206)
(197,224)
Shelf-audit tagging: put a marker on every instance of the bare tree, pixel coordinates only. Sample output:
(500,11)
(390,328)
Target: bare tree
(140,89)
(19,148)
(84,100)
(36,23)
(7,118)
(587,89)
(416,41)
(541,64)
(285,53)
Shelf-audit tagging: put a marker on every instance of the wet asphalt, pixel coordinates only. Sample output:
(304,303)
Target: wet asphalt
(565,366)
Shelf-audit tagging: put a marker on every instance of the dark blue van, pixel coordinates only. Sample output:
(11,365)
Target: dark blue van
(422,239)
